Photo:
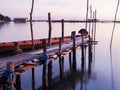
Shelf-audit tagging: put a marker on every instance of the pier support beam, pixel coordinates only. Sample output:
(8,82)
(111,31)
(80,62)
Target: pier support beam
(50,29)
(62,30)
(45,65)
(60,58)
(33,79)
(50,74)
(10,76)
(90,56)
(70,62)
(74,51)
(18,82)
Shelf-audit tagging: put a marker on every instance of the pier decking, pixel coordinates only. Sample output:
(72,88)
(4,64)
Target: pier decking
(29,56)
(45,56)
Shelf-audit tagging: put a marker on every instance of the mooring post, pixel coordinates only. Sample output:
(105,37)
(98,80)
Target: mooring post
(50,29)
(50,74)
(70,62)
(60,58)
(90,49)
(74,50)
(10,76)
(33,79)
(62,65)
(18,80)
(45,69)
(82,58)
(62,30)
(16,49)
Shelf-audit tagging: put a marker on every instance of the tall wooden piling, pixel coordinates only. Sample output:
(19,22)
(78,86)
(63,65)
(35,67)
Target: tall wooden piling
(70,61)
(74,51)
(62,30)
(31,26)
(50,74)
(60,58)
(16,49)
(50,29)
(90,49)
(45,69)
(33,79)
(18,80)
(9,74)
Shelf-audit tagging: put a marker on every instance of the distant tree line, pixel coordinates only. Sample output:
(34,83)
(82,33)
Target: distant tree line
(5,18)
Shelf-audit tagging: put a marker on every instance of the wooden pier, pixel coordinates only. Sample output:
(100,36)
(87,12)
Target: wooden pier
(44,56)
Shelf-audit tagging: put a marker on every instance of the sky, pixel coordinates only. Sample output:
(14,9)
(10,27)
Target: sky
(59,9)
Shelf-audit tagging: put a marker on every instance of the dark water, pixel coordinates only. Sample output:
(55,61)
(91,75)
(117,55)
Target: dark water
(103,75)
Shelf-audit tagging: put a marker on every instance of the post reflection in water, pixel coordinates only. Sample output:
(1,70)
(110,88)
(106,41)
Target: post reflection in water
(71,79)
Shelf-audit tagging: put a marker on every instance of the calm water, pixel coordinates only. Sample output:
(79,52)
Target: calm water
(101,78)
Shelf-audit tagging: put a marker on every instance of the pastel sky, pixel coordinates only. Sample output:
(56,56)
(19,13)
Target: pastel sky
(59,9)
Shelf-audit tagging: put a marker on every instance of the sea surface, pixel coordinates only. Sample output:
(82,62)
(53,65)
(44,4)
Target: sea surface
(104,72)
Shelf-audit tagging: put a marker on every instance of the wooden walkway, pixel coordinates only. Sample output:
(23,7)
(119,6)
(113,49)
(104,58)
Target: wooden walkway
(29,56)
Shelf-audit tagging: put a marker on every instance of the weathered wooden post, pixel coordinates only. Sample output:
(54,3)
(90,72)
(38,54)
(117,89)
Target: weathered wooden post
(83,32)
(33,79)
(31,25)
(18,80)
(50,74)
(50,29)
(62,30)
(74,51)
(90,49)
(10,76)
(16,49)
(45,64)
(60,58)
(70,62)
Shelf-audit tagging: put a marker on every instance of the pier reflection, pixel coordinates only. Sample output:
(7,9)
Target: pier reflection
(71,79)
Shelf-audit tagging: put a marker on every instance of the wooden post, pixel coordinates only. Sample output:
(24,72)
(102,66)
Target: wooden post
(9,74)
(62,30)
(90,50)
(50,29)
(62,66)
(74,50)
(31,26)
(16,50)
(45,69)
(18,82)
(33,79)
(70,62)
(60,58)
(50,74)
(82,58)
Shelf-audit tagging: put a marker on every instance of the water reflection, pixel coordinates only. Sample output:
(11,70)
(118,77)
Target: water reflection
(70,78)
(112,73)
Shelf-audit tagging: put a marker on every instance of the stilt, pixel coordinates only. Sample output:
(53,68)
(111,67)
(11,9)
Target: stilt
(70,62)
(50,74)
(63,66)
(45,64)
(18,82)
(33,79)
(62,30)
(50,29)
(60,58)
(10,76)
(74,51)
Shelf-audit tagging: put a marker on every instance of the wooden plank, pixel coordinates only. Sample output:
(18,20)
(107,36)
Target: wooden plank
(28,56)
